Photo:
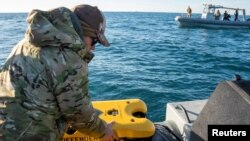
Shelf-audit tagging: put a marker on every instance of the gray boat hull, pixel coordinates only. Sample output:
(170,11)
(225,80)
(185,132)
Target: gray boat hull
(199,22)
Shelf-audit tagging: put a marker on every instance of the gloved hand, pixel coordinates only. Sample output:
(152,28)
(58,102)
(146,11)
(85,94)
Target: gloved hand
(110,135)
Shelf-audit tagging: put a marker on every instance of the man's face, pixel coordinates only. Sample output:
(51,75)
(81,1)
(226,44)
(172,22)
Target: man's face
(90,43)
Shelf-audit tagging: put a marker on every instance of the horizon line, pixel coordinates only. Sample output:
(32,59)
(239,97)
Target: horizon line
(12,12)
(102,11)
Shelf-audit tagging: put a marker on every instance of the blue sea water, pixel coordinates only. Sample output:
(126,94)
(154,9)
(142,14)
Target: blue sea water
(153,59)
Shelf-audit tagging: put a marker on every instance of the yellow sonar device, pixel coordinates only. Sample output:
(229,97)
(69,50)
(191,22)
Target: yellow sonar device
(129,116)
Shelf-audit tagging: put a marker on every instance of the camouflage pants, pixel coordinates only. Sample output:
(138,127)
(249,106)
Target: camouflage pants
(26,138)
(31,133)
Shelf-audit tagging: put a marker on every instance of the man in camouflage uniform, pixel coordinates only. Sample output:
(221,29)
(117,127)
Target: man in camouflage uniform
(44,82)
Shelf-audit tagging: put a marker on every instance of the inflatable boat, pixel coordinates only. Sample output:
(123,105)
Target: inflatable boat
(211,17)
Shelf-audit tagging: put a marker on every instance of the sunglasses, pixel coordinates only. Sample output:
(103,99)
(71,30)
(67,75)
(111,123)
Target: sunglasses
(94,41)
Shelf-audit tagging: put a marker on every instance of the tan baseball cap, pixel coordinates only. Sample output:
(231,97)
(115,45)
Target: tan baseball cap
(94,18)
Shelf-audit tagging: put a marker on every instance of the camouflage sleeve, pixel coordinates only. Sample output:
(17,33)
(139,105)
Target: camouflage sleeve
(70,76)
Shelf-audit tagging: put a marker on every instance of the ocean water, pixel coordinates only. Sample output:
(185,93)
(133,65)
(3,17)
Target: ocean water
(153,59)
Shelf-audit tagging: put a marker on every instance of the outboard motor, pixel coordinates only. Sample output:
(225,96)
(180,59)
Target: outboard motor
(228,105)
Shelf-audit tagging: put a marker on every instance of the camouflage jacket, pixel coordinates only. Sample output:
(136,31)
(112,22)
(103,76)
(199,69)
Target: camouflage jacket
(44,82)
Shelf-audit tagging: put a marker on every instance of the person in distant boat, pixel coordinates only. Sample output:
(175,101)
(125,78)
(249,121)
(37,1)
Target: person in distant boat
(189,12)
(44,82)
(217,15)
(236,14)
(226,16)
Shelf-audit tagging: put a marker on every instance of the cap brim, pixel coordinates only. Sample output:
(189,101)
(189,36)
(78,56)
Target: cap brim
(102,39)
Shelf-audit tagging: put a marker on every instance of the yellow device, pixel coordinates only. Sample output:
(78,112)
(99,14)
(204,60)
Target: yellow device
(129,116)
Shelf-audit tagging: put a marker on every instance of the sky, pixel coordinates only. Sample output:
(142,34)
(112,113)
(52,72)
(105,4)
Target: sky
(122,5)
